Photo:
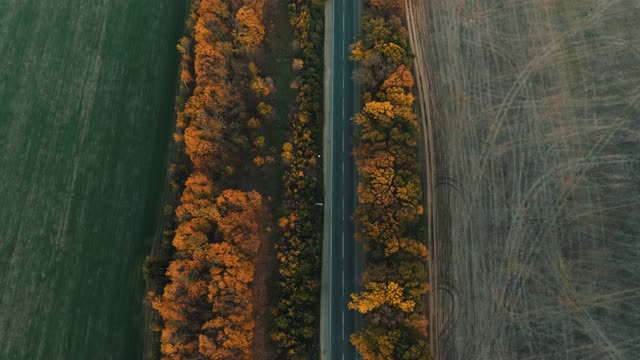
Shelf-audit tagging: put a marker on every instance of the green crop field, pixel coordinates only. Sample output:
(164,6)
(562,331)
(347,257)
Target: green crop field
(86,97)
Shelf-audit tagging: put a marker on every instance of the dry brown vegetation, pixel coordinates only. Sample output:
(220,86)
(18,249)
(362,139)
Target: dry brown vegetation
(533,111)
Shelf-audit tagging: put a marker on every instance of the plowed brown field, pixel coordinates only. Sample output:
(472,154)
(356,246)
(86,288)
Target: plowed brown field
(531,114)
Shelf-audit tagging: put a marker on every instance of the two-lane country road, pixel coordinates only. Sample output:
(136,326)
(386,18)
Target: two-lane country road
(342,256)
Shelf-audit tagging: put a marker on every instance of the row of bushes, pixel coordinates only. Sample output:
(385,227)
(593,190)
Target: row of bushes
(389,192)
(299,248)
(206,305)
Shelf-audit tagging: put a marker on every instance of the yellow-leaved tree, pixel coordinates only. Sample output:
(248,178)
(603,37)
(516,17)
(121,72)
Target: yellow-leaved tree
(249,29)
(378,294)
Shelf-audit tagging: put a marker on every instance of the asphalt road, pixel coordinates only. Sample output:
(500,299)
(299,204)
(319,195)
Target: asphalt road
(342,264)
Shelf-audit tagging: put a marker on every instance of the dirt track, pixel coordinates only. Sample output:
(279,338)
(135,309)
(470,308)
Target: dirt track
(531,124)
(265,264)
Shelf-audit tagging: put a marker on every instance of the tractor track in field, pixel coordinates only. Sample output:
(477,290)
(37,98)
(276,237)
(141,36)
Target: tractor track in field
(529,120)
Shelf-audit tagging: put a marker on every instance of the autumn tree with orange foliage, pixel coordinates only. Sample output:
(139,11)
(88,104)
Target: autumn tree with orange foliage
(249,30)
(229,332)
(389,193)
(226,34)
(207,304)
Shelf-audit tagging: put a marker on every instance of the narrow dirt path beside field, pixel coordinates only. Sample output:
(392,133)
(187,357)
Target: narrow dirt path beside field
(440,302)
(265,264)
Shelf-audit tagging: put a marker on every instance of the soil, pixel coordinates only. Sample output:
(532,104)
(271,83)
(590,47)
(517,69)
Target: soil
(265,266)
